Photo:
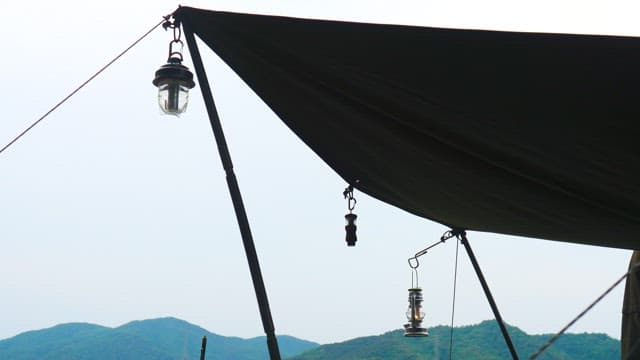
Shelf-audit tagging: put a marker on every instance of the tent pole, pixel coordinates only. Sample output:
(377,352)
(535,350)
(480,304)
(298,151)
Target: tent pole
(203,348)
(236,197)
(487,292)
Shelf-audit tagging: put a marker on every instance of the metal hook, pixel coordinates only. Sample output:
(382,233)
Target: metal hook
(169,21)
(348,194)
(446,236)
(351,203)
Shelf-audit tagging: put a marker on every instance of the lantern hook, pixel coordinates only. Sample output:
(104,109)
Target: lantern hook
(171,23)
(351,201)
(413,261)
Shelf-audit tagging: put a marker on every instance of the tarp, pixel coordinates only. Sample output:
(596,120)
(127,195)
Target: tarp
(528,134)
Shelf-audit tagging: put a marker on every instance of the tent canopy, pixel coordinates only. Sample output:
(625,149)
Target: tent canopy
(526,134)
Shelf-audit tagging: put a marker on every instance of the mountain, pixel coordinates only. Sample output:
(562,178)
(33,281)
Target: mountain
(156,339)
(174,339)
(483,341)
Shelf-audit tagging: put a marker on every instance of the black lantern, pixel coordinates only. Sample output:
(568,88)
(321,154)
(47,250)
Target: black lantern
(415,315)
(174,79)
(350,228)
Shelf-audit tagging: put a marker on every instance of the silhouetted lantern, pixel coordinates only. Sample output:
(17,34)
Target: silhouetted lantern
(351,229)
(173,81)
(415,315)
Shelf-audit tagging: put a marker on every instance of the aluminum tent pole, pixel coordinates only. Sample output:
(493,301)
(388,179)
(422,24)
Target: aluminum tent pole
(487,292)
(236,197)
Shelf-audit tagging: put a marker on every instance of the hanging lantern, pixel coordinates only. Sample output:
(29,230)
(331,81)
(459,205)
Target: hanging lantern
(174,79)
(415,315)
(350,228)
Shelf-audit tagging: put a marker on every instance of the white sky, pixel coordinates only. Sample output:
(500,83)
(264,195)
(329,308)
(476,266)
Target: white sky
(110,212)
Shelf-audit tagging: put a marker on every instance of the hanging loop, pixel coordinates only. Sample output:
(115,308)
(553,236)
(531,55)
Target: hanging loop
(177,32)
(170,23)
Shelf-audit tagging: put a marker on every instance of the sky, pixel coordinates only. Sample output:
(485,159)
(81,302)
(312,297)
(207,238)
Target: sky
(111,212)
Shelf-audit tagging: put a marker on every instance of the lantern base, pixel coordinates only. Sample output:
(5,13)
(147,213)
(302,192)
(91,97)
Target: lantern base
(411,331)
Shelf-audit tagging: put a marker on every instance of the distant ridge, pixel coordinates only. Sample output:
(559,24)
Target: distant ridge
(475,342)
(175,339)
(155,339)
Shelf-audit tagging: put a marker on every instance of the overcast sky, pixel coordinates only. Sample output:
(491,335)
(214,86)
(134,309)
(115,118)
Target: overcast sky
(111,212)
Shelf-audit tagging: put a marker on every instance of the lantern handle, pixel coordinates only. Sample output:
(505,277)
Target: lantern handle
(414,275)
(176,54)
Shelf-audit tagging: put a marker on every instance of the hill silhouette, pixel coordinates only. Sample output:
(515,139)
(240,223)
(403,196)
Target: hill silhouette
(174,339)
(482,341)
(155,339)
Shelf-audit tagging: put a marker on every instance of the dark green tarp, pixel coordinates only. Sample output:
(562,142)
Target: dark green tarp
(525,134)
(516,133)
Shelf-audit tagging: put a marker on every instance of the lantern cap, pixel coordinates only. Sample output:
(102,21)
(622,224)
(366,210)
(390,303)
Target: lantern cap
(173,70)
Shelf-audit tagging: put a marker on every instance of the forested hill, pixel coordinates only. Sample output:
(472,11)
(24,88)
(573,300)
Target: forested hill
(483,342)
(174,339)
(156,339)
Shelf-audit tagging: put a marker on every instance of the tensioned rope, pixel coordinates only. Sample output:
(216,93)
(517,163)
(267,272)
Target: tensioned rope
(82,85)
(586,310)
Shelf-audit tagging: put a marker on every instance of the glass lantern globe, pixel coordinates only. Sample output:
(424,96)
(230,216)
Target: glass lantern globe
(173,81)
